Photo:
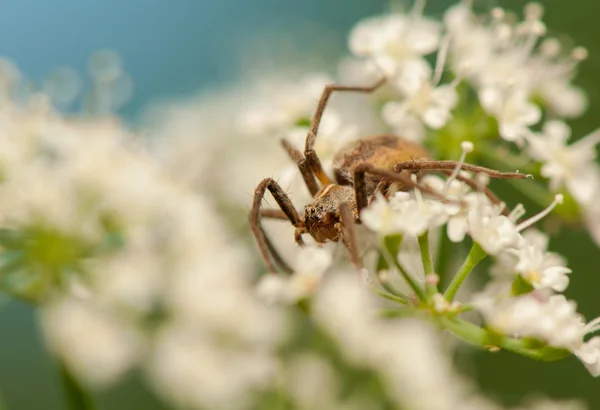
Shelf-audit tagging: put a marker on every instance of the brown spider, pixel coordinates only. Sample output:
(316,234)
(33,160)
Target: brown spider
(361,169)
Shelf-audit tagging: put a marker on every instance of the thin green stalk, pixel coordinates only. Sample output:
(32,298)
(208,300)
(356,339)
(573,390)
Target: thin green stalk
(390,289)
(76,397)
(427,262)
(390,296)
(410,280)
(484,338)
(395,313)
(476,255)
(390,256)
(444,257)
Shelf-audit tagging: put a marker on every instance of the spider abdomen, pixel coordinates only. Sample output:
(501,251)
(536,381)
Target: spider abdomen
(381,151)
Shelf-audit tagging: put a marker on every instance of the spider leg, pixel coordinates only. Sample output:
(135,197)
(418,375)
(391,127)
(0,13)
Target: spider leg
(405,182)
(274,214)
(309,147)
(347,232)
(427,165)
(303,167)
(265,246)
(484,189)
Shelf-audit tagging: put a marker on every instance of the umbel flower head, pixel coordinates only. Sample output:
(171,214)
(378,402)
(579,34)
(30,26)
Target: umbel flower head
(134,254)
(493,80)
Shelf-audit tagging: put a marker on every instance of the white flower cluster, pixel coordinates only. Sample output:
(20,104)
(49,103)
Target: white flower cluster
(130,268)
(409,354)
(121,245)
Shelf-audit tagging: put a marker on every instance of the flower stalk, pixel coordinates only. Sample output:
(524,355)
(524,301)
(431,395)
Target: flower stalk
(76,396)
(419,291)
(428,267)
(476,255)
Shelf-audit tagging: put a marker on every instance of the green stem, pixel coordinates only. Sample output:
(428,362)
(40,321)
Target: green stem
(444,257)
(427,262)
(476,255)
(390,296)
(76,397)
(390,257)
(395,313)
(390,289)
(482,337)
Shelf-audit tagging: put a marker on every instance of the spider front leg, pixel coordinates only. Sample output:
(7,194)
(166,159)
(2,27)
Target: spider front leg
(347,232)
(440,166)
(447,168)
(265,246)
(303,167)
(360,187)
(309,146)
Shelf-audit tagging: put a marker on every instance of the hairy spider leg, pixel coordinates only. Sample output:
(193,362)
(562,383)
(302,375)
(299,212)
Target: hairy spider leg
(347,231)
(360,186)
(303,166)
(474,185)
(265,246)
(309,150)
(435,165)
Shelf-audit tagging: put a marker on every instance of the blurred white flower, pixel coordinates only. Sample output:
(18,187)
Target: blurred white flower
(391,41)
(542,269)
(404,214)
(95,344)
(512,109)
(309,268)
(281,105)
(493,232)
(423,98)
(572,166)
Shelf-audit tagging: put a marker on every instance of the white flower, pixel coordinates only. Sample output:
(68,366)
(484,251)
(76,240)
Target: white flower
(512,109)
(428,102)
(416,215)
(542,269)
(443,306)
(310,266)
(541,315)
(589,354)
(280,105)
(455,190)
(380,217)
(404,214)
(572,166)
(393,40)
(422,95)
(193,371)
(493,232)
(96,346)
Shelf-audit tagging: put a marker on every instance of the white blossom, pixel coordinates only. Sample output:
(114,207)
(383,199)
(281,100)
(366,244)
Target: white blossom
(404,214)
(393,40)
(94,343)
(310,266)
(493,232)
(512,109)
(542,269)
(572,166)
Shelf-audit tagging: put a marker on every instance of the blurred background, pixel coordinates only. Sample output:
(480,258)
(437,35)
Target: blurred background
(177,49)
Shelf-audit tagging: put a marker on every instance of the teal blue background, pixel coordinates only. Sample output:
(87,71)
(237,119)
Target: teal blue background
(176,48)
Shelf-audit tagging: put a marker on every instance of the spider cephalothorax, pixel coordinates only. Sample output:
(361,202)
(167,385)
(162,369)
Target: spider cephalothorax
(362,169)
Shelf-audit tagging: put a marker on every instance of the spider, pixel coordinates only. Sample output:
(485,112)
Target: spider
(361,169)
